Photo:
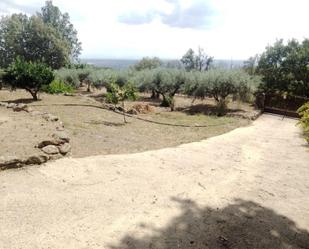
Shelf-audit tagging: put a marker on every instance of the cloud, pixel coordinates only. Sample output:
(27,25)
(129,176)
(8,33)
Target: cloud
(198,15)
(136,18)
(195,15)
(6,7)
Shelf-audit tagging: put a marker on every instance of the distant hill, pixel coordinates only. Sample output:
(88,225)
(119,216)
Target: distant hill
(126,63)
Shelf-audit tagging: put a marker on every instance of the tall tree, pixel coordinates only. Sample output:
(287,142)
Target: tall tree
(52,16)
(200,61)
(32,40)
(285,68)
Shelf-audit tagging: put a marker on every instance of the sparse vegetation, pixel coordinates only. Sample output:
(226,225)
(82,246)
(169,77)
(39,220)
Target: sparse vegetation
(303,111)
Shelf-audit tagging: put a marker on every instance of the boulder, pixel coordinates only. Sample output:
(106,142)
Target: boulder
(61,135)
(50,117)
(4,104)
(133,111)
(65,148)
(11,105)
(9,162)
(37,159)
(45,143)
(50,149)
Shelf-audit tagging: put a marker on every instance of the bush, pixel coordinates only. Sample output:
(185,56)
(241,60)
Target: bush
(57,87)
(303,111)
(29,76)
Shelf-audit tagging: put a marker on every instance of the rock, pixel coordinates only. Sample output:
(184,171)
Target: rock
(61,135)
(9,162)
(45,143)
(4,104)
(11,105)
(65,148)
(19,107)
(69,94)
(50,149)
(37,159)
(28,109)
(133,112)
(55,156)
(50,117)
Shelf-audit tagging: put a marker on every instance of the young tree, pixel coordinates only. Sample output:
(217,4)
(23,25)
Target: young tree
(29,76)
(118,94)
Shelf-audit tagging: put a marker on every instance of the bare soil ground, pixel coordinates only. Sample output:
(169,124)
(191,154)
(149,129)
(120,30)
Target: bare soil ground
(244,189)
(96,131)
(20,133)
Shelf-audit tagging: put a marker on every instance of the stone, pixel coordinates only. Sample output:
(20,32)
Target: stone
(9,162)
(4,104)
(50,117)
(61,135)
(133,112)
(69,94)
(65,148)
(37,159)
(50,142)
(19,107)
(50,149)
(11,105)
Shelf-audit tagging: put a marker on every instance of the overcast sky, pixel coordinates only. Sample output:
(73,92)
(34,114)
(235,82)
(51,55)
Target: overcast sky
(167,28)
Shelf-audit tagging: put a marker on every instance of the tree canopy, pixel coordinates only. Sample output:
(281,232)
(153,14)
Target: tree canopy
(199,61)
(46,37)
(285,68)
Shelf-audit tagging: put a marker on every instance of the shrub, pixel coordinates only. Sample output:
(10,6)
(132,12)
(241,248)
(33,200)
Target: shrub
(303,111)
(29,76)
(56,87)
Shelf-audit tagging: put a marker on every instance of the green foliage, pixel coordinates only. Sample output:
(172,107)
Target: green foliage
(303,111)
(199,62)
(46,37)
(118,94)
(148,63)
(60,22)
(220,84)
(68,76)
(285,68)
(29,76)
(57,87)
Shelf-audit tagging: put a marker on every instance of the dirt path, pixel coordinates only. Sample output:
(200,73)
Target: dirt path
(245,189)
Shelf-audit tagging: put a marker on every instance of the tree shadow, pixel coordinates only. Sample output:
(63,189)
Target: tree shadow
(205,109)
(243,224)
(23,101)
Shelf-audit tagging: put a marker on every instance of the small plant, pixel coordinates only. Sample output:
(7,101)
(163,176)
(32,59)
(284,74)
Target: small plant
(57,87)
(118,94)
(303,111)
(30,76)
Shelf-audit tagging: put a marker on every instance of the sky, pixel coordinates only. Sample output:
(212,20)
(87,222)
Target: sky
(132,29)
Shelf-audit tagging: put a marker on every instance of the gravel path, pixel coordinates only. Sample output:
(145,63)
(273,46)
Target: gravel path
(248,188)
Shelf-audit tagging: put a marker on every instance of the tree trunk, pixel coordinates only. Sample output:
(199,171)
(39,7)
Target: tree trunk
(34,94)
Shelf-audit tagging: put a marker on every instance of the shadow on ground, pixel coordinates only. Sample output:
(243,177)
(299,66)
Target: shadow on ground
(244,224)
(206,109)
